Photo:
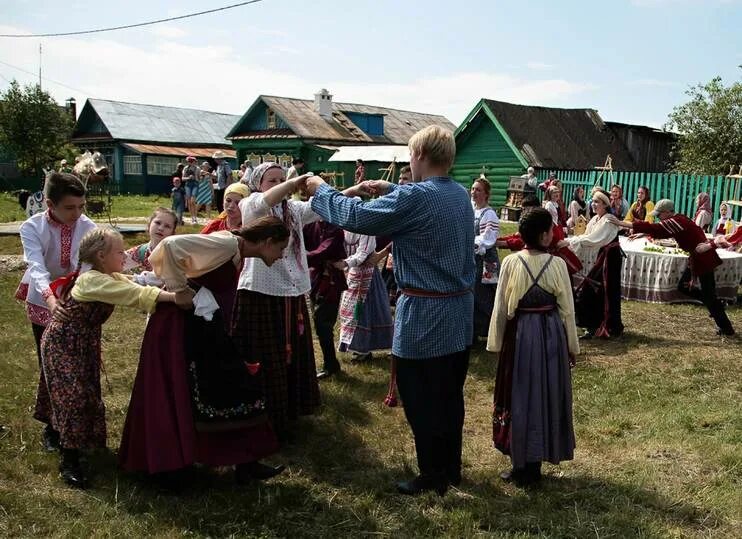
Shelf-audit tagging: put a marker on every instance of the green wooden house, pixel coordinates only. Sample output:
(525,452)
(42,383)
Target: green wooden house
(281,129)
(503,139)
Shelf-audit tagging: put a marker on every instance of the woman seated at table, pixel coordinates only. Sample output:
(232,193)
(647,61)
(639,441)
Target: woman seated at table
(641,209)
(598,297)
(703,216)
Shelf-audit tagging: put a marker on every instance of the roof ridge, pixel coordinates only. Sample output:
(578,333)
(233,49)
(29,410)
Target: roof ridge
(358,105)
(91,99)
(486,99)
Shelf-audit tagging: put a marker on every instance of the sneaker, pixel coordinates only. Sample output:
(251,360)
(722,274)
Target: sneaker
(50,439)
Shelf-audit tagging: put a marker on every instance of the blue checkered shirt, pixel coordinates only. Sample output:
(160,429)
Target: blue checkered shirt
(431,226)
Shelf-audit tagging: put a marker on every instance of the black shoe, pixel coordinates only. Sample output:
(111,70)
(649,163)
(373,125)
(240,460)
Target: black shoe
(361,358)
(728,332)
(522,476)
(50,439)
(256,470)
(586,336)
(420,484)
(70,469)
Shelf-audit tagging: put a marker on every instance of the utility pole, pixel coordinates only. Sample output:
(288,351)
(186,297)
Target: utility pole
(39,66)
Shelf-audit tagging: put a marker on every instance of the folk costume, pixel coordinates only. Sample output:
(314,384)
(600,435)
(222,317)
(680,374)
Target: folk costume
(50,251)
(272,312)
(365,316)
(486,230)
(195,399)
(71,354)
(598,296)
(703,216)
(434,268)
(515,243)
(689,236)
(640,212)
(325,245)
(533,330)
(222,221)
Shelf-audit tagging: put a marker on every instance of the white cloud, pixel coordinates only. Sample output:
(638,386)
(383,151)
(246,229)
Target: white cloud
(108,69)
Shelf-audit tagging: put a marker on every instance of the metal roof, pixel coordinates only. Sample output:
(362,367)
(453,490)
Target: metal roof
(179,151)
(382,154)
(155,123)
(305,122)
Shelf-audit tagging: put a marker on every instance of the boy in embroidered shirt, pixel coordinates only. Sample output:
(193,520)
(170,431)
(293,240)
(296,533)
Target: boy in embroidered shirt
(50,249)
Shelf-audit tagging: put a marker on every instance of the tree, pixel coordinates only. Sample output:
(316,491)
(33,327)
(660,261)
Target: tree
(33,127)
(710,127)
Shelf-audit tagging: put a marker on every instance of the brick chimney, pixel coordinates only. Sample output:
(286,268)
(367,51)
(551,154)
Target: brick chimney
(323,104)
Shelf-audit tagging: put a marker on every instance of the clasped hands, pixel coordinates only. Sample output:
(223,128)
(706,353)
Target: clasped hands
(310,183)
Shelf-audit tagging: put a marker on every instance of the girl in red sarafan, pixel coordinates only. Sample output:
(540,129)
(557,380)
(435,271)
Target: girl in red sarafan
(71,344)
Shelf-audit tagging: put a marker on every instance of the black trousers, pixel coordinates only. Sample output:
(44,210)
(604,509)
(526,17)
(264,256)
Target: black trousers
(324,316)
(432,392)
(713,303)
(219,199)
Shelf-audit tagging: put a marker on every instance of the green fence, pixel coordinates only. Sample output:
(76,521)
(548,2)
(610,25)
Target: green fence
(680,188)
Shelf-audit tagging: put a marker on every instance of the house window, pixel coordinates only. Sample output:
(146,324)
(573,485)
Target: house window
(161,166)
(133,165)
(271,119)
(285,160)
(269,157)
(254,159)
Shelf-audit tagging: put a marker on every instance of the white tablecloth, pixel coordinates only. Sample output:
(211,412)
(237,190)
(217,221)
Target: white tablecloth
(654,277)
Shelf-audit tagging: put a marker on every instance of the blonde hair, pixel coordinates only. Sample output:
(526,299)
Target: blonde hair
(436,144)
(97,240)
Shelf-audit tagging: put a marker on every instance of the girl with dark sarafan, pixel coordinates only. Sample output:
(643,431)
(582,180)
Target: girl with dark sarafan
(533,330)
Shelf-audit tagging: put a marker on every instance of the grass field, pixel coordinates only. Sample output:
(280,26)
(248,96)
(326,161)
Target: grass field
(659,450)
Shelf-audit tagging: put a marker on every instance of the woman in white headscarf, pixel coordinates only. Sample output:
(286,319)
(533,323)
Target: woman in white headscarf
(271,319)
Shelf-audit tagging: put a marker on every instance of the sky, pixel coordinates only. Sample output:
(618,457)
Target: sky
(632,60)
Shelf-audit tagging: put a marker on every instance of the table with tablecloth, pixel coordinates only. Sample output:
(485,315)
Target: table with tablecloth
(654,277)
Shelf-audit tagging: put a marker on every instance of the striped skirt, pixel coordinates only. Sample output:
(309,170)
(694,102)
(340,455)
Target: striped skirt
(365,316)
(259,330)
(203,195)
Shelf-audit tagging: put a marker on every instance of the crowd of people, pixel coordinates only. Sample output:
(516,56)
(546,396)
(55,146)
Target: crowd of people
(227,362)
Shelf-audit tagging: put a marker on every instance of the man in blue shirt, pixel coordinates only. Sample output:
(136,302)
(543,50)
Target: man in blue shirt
(430,226)
(223,178)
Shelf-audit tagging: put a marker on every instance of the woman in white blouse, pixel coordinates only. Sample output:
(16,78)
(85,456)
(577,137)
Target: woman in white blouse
(271,310)
(598,297)
(486,231)
(551,203)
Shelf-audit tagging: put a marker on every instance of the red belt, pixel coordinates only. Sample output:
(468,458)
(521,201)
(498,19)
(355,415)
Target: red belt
(544,309)
(418,293)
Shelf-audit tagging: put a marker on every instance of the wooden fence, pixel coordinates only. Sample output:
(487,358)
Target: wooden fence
(680,188)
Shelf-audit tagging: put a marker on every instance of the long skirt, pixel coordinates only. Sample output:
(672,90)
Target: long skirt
(598,297)
(166,428)
(160,432)
(365,316)
(532,419)
(70,357)
(484,302)
(276,332)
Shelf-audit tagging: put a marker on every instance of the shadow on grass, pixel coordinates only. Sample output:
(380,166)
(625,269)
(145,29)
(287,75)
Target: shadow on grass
(582,506)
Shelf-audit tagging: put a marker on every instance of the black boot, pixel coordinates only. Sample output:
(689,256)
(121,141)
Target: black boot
(50,439)
(70,469)
(422,483)
(243,473)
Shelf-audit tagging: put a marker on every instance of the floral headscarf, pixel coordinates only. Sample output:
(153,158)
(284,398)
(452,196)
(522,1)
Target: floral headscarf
(703,203)
(257,175)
